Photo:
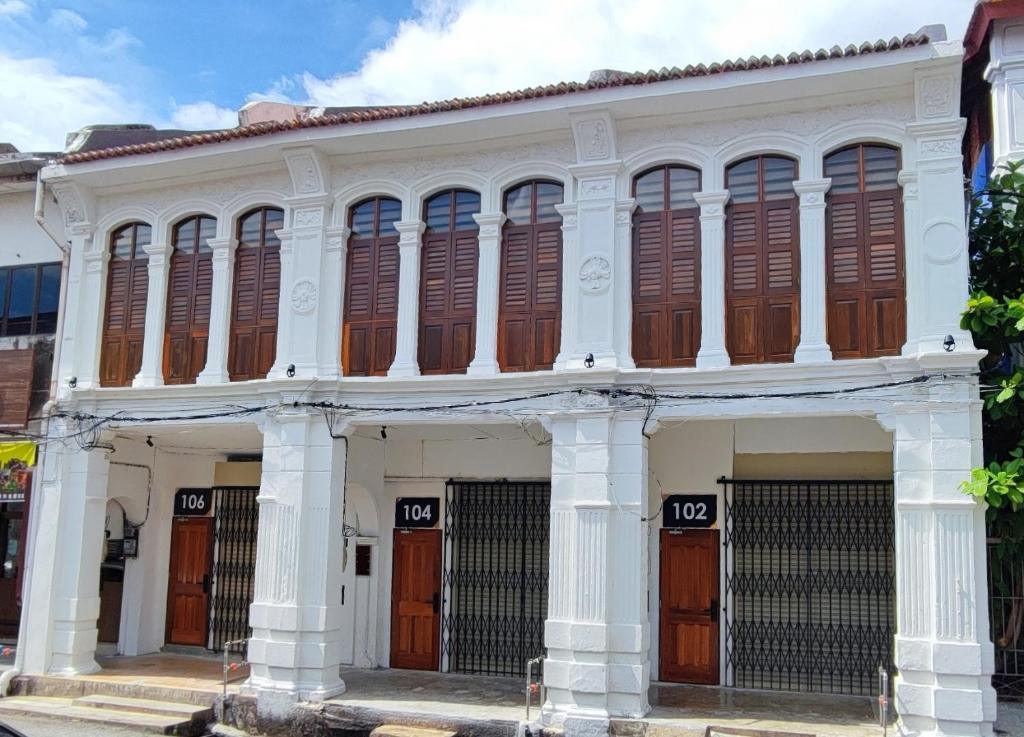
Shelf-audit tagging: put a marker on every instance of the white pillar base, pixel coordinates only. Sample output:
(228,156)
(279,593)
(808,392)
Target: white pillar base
(812,353)
(215,376)
(403,370)
(480,368)
(712,359)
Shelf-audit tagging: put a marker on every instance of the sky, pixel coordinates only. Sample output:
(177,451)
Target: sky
(192,63)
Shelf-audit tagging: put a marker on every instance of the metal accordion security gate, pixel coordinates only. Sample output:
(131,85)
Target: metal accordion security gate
(495,576)
(810,584)
(236,520)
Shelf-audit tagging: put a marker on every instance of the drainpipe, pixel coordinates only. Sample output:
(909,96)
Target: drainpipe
(65,259)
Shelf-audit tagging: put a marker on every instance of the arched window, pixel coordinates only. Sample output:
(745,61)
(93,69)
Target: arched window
(124,324)
(257,286)
(530,294)
(448,270)
(864,253)
(762,260)
(371,288)
(190,285)
(666,267)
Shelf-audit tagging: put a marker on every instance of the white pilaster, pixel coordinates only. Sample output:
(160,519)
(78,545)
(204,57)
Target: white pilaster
(63,602)
(295,649)
(917,287)
(712,353)
(302,275)
(943,653)
(622,328)
(570,257)
(406,361)
(332,301)
(597,633)
(813,346)
(152,373)
(1005,73)
(485,360)
(223,266)
(87,321)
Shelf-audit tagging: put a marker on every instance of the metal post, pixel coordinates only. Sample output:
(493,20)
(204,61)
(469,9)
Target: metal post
(883,699)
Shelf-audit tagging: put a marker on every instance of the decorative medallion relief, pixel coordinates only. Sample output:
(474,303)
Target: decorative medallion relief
(936,97)
(304,296)
(311,217)
(594,140)
(595,274)
(594,188)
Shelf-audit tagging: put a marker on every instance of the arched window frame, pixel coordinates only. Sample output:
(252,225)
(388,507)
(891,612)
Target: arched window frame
(666,282)
(124,322)
(865,259)
(449,265)
(371,293)
(762,268)
(189,294)
(255,297)
(530,286)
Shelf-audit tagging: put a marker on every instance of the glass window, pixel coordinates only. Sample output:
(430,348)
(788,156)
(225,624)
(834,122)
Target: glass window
(518,205)
(881,168)
(843,168)
(362,220)
(207,230)
(682,184)
(390,213)
(376,218)
(22,300)
(548,196)
(862,168)
(467,204)
(274,222)
(778,175)
(249,230)
(650,191)
(122,245)
(4,276)
(49,298)
(28,299)
(741,181)
(761,178)
(185,236)
(439,212)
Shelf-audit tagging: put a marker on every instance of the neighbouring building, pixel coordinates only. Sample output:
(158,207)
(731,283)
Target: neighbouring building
(658,376)
(30,277)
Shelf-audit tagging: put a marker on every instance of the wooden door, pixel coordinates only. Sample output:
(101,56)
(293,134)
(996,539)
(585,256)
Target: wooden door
(416,600)
(689,606)
(188,587)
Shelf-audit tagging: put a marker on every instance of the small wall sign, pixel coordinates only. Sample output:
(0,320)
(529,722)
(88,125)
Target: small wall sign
(417,511)
(690,510)
(192,502)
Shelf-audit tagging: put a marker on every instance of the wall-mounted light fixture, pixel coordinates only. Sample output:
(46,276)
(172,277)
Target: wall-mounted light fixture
(290,370)
(149,441)
(589,360)
(73,382)
(949,344)
(383,432)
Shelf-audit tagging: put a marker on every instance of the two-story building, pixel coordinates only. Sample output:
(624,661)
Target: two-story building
(658,376)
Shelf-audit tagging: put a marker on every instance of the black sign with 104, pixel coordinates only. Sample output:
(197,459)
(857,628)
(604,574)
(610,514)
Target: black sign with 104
(690,510)
(416,511)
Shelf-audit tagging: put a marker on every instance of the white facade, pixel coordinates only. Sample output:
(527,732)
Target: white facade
(610,459)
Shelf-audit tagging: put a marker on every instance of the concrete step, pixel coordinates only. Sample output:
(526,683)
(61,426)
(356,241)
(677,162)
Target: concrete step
(184,712)
(72,688)
(402,730)
(66,709)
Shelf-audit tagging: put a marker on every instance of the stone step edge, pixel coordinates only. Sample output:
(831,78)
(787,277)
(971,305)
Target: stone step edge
(70,688)
(144,706)
(405,730)
(143,722)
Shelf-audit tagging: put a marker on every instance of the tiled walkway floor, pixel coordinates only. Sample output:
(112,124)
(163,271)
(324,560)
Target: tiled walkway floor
(197,673)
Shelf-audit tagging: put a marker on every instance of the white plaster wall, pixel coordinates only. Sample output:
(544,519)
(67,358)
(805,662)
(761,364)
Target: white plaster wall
(22,241)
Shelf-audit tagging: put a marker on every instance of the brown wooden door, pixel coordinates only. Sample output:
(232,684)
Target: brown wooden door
(416,600)
(689,606)
(188,594)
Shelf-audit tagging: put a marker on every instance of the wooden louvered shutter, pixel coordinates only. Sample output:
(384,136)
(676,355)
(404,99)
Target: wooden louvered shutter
(371,307)
(245,314)
(269,298)
(866,293)
(743,282)
(530,297)
(179,309)
(448,302)
(649,293)
(433,303)
(125,321)
(781,309)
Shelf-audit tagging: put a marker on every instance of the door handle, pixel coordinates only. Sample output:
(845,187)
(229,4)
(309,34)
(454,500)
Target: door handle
(206,583)
(435,603)
(713,610)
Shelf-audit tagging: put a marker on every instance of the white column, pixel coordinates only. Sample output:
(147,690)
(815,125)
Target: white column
(295,649)
(302,274)
(712,353)
(63,601)
(152,371)
(570,257)
(917,288)
(622,328)
(485,361)
(85,318)
(597,632)
(943,653)
(223,263)
(1005,73)
(332,301)
(406,361)
(813,346)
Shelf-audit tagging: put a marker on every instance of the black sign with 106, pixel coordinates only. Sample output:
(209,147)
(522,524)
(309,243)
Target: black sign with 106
(192,502)
(690,510)
(416,511)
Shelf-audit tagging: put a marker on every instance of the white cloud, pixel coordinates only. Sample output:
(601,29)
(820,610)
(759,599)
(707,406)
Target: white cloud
(203,115)
(13,7)
(41,104)
(67,20)
(470,47)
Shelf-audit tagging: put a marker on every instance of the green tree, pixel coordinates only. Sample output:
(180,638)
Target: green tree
(995,316)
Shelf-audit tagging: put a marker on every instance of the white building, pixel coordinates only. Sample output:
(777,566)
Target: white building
(523,328)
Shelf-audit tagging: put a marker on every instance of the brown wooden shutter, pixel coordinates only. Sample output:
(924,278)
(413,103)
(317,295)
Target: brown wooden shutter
(865,270)
(530,297)
(448,302)
(743,282)
(781,308)
(190,286)
(256,292)
(124,323)
(371,306)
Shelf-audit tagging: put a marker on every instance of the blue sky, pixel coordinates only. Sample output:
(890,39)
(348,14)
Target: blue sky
(188,63)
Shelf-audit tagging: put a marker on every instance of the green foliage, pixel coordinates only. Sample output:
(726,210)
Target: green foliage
(995,317)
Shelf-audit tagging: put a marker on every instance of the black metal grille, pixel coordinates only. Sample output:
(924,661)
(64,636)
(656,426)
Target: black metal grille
(1006,607)
(236,516)
(810,583)
(496,576)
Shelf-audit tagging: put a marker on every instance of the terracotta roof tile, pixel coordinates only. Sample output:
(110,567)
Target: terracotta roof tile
(612,79)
